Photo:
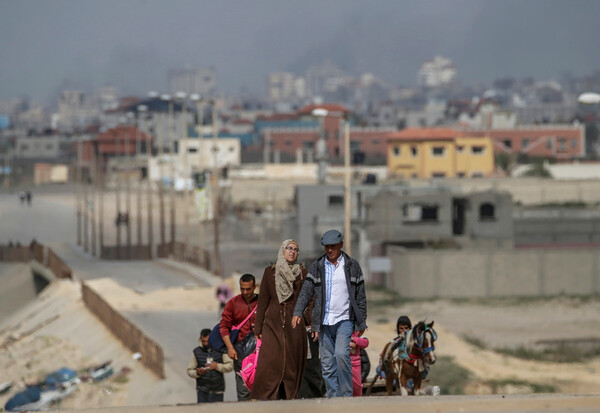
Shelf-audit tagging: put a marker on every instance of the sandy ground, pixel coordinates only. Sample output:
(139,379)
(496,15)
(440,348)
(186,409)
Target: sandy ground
(56,330)
(498,324)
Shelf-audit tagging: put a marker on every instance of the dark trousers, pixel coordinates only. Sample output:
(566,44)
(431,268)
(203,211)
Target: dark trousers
(312,385)
(243,393)
(209,397)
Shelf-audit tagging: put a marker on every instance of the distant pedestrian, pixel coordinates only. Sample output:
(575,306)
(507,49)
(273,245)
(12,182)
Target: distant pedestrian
(224,293)
(207,367)
(22,197)
(29,196)
(340,308)
(235,312)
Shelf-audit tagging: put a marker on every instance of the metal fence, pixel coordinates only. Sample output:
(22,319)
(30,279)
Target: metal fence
(131,336)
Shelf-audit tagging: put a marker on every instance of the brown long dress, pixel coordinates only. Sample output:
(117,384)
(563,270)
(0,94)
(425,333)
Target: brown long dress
(283,352)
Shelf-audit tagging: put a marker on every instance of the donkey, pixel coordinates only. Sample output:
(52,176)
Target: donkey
(420,355)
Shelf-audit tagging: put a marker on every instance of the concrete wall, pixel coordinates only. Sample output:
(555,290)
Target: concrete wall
(493,273)
(132,337)
(528,191)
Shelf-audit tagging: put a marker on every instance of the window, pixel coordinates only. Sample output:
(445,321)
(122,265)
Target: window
(438,151)
(525,143)
(507,143)
(308,145)
(562,144)
(420,213)
(354,146)
(414,150)
(487,212)
(231,149)
(396,150)
(438,175)
(476,175)
(460,174)
(326,135)
(288,142)
(549,143)
(477,150)
(429,213)
(192,150)
(336,200)
(573,143)
(375,141)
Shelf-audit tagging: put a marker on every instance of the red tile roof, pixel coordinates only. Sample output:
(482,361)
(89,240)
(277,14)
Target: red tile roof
(122,132)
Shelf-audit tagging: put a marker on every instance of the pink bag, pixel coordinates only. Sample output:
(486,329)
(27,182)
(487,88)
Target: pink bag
(248,369)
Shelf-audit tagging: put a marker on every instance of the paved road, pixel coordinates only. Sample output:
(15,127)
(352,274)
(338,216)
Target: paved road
(54,224)
(398,404)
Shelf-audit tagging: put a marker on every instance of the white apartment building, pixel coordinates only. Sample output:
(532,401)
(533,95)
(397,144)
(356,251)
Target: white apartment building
(437,72)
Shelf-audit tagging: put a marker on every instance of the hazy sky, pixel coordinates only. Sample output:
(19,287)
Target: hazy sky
(49,45)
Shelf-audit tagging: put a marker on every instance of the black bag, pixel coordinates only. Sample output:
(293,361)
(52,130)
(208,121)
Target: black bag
(215,340)
(365,365)
(245,346)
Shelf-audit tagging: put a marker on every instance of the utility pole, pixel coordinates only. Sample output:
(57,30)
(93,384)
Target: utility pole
(85,213)
(100,167)
(118,195)
(127,156)
(216,191)
(161,192)
(94,190)
(347,193)
(78,190)
(140,110)
(172,167)
(186,175)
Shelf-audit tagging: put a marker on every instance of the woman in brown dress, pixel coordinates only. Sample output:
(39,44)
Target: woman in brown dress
(282,355)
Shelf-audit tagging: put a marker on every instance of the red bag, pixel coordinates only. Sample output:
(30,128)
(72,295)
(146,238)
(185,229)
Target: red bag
(248,370)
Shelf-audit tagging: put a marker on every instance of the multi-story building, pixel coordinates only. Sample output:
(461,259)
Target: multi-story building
(42,147)
(438,153)
(76,111)
(437,72)
(302,136)
(284,86)
(564,142)
(200,81)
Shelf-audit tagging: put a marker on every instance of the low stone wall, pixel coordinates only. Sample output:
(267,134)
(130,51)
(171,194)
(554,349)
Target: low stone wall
(39,253)
(494,273)
(131,336)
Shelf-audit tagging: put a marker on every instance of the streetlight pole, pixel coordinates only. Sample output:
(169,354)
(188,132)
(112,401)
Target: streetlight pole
(200,112)
(216,191)
(186,175)
(172,168)
(127,156)
(322,114)
(347,191)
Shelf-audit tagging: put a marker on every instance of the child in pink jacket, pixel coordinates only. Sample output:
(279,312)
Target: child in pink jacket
(356,343)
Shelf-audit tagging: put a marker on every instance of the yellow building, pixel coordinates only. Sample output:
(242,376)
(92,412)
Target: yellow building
(438,153)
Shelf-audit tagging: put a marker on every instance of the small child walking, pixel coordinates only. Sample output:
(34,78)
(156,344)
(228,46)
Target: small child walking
(357,343)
